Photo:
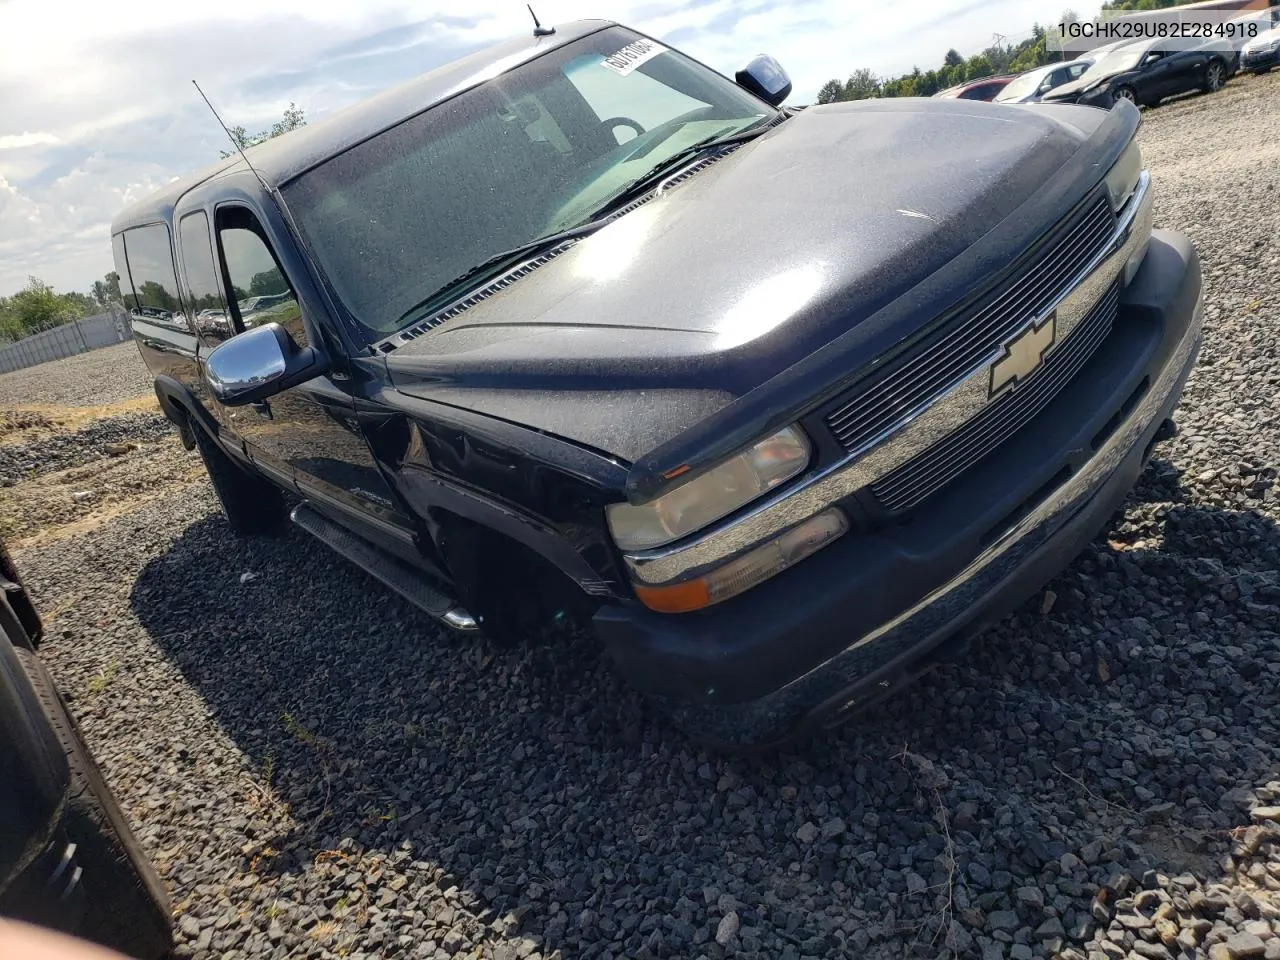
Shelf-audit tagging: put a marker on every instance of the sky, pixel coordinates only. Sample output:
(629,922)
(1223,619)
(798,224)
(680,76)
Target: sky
(97,108)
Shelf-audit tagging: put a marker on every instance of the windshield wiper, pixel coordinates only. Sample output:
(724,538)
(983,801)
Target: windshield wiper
(599,218)
(468,276)
(658,173)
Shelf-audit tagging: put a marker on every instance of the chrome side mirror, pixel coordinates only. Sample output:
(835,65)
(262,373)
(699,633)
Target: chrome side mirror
(259,363)
(765,77)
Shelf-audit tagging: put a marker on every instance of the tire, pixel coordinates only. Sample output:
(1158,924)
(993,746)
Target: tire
(1215,76)
(127,908)
(252,505)
(1125,93)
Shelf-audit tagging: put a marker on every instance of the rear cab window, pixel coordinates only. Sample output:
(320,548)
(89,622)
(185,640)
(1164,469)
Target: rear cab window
(151,293)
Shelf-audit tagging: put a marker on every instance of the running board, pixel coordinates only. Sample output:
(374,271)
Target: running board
(399,577)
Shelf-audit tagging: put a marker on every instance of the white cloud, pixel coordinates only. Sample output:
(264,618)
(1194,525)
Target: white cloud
(99,110)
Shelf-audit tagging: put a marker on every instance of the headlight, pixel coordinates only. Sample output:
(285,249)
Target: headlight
(715,494)
(1122,179)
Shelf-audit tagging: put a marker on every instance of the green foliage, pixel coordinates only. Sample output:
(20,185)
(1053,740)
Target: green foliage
(153,294)
(267,282)
(999,58)
(37,307)
(293,117)
(1142,4)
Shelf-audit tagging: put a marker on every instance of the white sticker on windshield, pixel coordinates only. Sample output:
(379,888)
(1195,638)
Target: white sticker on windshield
(632,55)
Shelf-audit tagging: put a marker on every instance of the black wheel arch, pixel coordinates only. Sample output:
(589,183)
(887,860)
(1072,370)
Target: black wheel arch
(183,410)
(507,583)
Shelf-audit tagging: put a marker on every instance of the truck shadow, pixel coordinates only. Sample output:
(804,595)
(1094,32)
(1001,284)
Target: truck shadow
(532,775)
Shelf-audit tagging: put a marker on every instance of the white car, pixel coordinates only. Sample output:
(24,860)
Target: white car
(1262,52)
(1029,87)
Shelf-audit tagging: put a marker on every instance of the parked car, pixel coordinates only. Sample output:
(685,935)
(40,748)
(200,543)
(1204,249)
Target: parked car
(1262,52)
(1143,73)
(781,405)
(68,859)
(1029,87)
(985,89)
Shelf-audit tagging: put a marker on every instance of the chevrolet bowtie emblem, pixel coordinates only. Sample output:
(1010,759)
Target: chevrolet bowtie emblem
(1023,353)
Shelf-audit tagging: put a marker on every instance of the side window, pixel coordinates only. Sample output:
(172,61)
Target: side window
(259,288)
(1078,70)
(204,294)
(155,285)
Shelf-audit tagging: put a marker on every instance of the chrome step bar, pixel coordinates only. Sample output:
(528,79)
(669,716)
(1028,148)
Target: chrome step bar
(397,576)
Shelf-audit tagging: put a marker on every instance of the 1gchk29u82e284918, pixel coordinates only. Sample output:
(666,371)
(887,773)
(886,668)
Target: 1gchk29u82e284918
(783,404)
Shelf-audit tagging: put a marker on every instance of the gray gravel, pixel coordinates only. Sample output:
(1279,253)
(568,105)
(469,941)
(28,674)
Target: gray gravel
(318,772)
(107,437)
(103,376)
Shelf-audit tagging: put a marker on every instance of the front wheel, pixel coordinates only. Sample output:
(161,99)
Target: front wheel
(1126,93)
(1215,76)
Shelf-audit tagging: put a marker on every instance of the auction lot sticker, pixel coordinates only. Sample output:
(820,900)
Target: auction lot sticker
(632,55)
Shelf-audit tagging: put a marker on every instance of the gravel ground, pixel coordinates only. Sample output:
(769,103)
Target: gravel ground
(317,772)
(88,379)
(105,437)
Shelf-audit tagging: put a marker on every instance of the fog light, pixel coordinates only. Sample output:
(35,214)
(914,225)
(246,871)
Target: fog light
(749,570)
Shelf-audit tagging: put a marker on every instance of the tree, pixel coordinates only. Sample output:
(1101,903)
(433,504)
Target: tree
(862,85)
(154,295)
(293,118)
(37,307)
(1027,54)
(266,283)
(830,92)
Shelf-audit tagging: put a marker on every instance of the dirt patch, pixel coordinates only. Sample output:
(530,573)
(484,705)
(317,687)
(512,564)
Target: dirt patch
(72,501)
(27,423)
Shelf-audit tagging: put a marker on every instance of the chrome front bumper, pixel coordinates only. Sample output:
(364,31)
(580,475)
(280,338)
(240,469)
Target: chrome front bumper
(915,432)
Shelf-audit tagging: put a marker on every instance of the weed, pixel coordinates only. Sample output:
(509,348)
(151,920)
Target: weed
(103,679)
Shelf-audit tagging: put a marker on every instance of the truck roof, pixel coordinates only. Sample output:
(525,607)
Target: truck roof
(282,158)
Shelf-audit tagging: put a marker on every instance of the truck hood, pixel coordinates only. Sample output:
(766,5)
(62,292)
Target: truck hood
(712,289)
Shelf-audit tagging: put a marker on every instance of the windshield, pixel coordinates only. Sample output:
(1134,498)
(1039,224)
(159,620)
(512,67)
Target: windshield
(533,151)
(1023,86)
(1117,61)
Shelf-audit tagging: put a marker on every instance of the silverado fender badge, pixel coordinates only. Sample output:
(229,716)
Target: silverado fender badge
(1023,354)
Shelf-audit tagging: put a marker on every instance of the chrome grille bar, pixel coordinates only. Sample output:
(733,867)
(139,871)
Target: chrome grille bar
(917,479)
(936,366)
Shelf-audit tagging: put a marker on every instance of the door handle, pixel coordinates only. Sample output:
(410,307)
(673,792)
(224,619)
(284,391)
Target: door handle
(263,409)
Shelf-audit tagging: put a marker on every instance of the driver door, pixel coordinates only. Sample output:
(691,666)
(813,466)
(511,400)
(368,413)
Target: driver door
(1154,80)
(306,437)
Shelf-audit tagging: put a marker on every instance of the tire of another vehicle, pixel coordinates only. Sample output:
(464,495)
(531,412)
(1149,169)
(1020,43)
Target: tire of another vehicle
(1126,93)
(127,908)
(1215,76)
(252,505)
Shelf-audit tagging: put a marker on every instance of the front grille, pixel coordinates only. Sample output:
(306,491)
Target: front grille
(949,356)
(928,472)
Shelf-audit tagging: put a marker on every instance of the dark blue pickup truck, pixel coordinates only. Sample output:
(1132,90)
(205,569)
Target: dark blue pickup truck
(781,404)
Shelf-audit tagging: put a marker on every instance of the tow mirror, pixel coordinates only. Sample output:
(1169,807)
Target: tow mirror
(260,363)
(765,77)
